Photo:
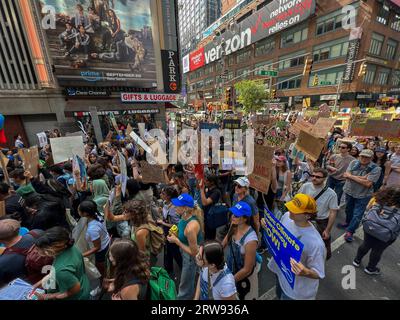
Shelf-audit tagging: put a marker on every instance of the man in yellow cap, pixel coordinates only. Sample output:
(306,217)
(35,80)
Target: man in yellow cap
(311,268)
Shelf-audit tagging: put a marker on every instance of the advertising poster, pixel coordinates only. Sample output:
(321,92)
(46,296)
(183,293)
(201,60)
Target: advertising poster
(282,245)
(102,42)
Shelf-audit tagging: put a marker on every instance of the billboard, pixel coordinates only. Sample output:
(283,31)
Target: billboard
(275,17)
(102,42)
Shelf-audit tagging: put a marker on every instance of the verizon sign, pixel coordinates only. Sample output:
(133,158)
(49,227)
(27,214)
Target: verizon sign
(274,17)
(148,97)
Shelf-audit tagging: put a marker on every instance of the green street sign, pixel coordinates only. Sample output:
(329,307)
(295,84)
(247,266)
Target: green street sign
(326,83)
(269,73)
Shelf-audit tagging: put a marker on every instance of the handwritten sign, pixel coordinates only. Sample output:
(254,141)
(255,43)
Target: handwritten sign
(282,244)
(151,173)
(357,129)
(382,128)
(30,159)
(300,125)
(260,179)
(311,146)
(65,148)
(42,137)
(4,162)
(322,127)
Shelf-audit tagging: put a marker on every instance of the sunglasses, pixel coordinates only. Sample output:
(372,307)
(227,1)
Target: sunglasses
(343,147)
(316,177)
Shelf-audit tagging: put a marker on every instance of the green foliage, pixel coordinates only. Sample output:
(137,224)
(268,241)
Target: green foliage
(251,95)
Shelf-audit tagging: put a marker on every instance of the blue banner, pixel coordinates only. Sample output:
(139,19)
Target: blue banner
(208,126)
(282,244)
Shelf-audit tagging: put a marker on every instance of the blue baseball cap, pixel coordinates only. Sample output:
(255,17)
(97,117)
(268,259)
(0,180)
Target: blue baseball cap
(184,200)
(241,209)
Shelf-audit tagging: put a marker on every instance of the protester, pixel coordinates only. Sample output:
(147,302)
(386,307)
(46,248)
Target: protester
(387,204)
(190,237)
(327,205)
(216,281)
(380,159)
(242,241)
(311,267)
(12,203)
(392,174)
(359,187)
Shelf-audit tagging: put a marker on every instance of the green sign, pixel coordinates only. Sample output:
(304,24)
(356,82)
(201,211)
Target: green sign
(269,73)
(326,83)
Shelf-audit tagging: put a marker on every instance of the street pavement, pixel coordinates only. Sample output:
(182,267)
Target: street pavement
(382,287)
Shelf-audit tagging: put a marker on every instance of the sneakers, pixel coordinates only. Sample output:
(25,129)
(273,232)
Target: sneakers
(374,272)
(342,225)
(348,237)
(356,263)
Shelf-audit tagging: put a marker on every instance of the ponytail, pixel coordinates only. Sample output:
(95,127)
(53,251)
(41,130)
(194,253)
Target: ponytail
(199,214)
(89,207)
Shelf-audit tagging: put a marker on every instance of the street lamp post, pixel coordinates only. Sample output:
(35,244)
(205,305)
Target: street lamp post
(337,93)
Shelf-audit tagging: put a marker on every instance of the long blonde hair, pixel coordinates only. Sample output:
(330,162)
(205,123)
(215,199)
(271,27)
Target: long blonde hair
(199,214)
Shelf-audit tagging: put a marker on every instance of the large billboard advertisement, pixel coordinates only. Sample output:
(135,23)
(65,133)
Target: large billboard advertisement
(269,20)
(102,42)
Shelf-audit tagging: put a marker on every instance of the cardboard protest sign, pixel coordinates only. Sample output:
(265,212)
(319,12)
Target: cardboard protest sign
(123,171)
(231,124)
(129,129)
(382,128)
(310,145)
(282,244)
(151,173)
(231,160)
(140,142)
(4,162)
(260,179)
(42,137)
(357,129)
(322,127)
(63,149)
(74,134)
(30,159)
(299,126)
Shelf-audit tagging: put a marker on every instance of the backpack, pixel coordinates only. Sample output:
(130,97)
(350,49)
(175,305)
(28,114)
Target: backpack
(34,262)
(161,286)
(157,237)
(382,223)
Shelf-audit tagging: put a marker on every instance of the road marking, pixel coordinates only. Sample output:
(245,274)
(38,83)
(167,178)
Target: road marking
(271,293)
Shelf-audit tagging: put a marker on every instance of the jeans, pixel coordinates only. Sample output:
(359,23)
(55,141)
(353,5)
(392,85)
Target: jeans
(337,186)
(355,209)
(321,226)
(188,276)
(279,292)
(376,246)
(171,253)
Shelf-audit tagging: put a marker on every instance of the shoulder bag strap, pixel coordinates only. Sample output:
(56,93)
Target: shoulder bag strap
(321,193)
(209,285)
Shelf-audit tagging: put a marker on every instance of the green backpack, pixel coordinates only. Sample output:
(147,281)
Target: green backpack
(161,286)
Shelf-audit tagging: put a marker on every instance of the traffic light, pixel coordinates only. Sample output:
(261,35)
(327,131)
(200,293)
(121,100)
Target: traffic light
(363,69)
(273,94)
(316,80)
(308,66)
(228,96)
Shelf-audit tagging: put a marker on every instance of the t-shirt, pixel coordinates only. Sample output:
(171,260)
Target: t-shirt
(326,202)
(12,265)
(215,195)
(69,269)
(313,257)
(225,288)
(341,164)
(394,177)
(250,201)
(169,213)
(13,205)
(97,230)
(252,236)
(357,190)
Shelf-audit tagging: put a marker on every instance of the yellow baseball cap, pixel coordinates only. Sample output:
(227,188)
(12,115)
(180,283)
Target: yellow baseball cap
(302,203)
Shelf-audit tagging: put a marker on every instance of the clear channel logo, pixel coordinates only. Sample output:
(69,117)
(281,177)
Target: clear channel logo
(91,76)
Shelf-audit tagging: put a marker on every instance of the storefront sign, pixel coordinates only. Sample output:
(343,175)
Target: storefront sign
(148,97)
(272,18)
(364,96)
(82,93)
(171,72)
(330,97)
(186,64)
(354,47)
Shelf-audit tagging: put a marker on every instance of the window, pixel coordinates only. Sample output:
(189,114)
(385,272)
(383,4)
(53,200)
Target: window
(231,60)
(200,84)
(331,50)
(332,76)
(396,78)
(383,76)
(331,21)
(395,25)
(209,69)
(383,14)
(294,36)
(209,82)
(370,74)
(264,47)
(289,62)
(243,56)
(231,75)
(391,49)
(290,83)
(243,72)
(376,44)
(267,65)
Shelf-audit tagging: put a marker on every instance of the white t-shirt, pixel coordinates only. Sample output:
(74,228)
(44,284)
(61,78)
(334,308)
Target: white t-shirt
(313,257)
(97,230)
(225,288)
(252,236)
(326,202)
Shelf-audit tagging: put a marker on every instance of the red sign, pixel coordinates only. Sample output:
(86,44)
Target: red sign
(148,97)
(196,59)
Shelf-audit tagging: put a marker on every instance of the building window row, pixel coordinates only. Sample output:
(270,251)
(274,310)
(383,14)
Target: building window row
(331,50)
(327,77)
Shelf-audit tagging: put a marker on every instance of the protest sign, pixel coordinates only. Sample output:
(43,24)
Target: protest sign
(388,116)
(231,124)
(357,129)
(74,134)
(231,160)
(322,127)
(2,208)
(129,129)
(275,141)
(140,142)
(300,125)
(42,137)
(113,121)
(30,159)
(4,162)
(18,290)
(79,164)
(151,173)
(382,128)
(208,126)
(63,149)
(123,171)
(282,245)
(311,146)
(260,179)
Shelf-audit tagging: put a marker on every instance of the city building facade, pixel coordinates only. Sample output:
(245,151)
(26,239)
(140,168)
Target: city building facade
(344,52)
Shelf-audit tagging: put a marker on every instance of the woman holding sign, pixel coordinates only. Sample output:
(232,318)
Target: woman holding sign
(311,267)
